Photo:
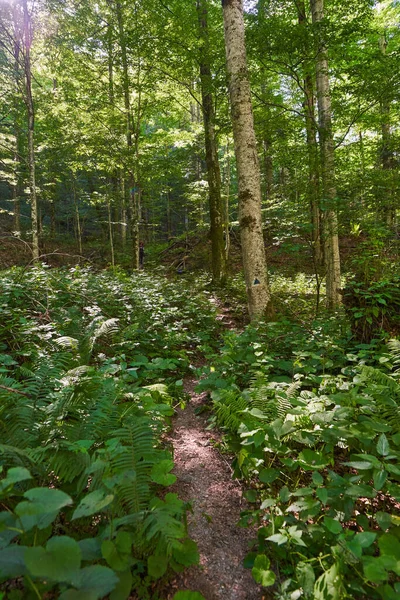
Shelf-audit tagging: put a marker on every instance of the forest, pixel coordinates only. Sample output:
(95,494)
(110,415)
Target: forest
(199,299)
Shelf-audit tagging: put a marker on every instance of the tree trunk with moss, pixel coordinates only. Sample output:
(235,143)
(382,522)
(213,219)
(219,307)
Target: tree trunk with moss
(249,187)
(329,203)
(216,207)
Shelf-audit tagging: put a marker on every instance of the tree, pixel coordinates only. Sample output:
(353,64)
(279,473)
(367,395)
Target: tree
(213,170)
(330,223)
(253,250)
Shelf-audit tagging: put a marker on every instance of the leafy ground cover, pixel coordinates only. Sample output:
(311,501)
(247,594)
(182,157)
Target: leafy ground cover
(313,417)
(91,365)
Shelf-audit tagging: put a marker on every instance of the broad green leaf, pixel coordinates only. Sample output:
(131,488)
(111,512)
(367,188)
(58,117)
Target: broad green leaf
(268,475)
(42,507)
(365,538)
(382,446)
(374,569)
(284,493)
(309,459)
(278,538)
(333,525)
(187,554)
(119,561)
(157,565)
(389,545)
(92,503)
(97,580)
(160,473)
(322,494)
(14,475)
(306,578)
(329,585)
(380,479)
(90,549)
(123,588)
(383,519)
(317,478)
(12,562)
(79,595)
(261,571)
(60,561)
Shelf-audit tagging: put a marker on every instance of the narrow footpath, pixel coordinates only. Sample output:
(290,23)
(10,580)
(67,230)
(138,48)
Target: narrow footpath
(205,478)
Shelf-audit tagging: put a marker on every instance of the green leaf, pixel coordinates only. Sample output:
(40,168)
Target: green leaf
(92,503)
(14,475)
(12,562)
(60,561)
(389,545)
(187,554)
(305,577)
(78,595)
(329,585)
(379,479)
(333,525)
(383,519)
(157,565)
(317,478)
(42,507)
(382,446)
(268,475)
(123,588)
(90,549)
(374,569)
(365,538)
(119,561)
(322,494)
(160,473)
(284,493)
(96,580)
(261,571)
(278,538)
(309,459)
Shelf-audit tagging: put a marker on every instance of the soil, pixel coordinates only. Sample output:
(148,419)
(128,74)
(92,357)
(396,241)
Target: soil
(205,478)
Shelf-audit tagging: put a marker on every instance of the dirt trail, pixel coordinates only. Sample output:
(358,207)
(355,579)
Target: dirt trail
(205,478)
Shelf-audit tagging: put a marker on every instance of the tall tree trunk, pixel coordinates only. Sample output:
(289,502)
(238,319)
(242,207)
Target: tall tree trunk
(253,250)
(213,171)
(386,152)
(312,148)
(16,159)
(31,129)
(133,216)
(330,225)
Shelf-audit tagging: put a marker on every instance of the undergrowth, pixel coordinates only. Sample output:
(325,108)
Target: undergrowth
(313,417)
(91,366)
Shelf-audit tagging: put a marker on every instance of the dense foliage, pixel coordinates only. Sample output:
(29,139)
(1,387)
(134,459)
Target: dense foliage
(313,417)
(91,367)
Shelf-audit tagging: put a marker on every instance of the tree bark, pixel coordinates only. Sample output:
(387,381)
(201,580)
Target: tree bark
(330,231)
(213,170)
(312,148)
(31,129)
(386,151)
(133,211)
(249,187)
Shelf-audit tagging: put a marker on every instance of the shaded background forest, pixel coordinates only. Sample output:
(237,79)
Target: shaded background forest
(118,115)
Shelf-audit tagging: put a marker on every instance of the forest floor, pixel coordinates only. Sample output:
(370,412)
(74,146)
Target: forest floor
(204,478)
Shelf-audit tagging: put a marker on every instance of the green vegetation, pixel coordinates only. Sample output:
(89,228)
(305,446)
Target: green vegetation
(91,367)
(313,418)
